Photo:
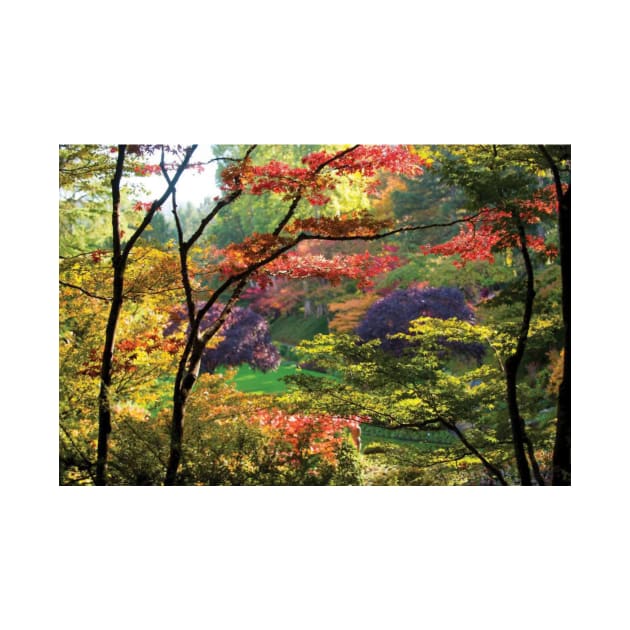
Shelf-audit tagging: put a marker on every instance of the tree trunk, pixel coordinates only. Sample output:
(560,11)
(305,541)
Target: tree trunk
(187,374)
(104,401)
(561,461)
(118,262)
(561,475)
(516,422)
(513,362)
(177,435)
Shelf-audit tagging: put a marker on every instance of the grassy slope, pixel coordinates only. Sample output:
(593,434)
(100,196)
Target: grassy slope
(254,381)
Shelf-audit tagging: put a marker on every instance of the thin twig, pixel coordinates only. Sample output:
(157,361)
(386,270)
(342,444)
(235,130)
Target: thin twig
(85,291)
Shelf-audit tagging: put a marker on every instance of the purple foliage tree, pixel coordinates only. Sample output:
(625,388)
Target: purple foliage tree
(246,339)
(393,313)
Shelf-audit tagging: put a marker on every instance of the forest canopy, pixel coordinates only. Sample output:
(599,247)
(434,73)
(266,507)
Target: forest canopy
(326,315)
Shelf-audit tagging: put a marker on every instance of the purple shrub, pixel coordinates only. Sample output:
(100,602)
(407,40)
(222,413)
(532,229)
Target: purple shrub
(246,339)
(393,313)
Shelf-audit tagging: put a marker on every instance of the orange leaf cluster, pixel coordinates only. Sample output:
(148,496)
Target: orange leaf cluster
(317,434)
(356,224)
(361,267)
(97,255)
(278,178)
(127,352)
(142,205)
(254,249)
(147,169)
(348,314)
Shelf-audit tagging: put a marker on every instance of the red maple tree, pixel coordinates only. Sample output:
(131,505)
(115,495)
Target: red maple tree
(493,230)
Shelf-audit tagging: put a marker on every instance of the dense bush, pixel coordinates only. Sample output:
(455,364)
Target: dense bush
(393,313)
(245,339)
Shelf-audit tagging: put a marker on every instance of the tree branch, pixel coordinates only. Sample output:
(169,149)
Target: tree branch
(158,202)
(78,288)
(490,467)
(532,460)
(120,160)
(206,220)
(298,197)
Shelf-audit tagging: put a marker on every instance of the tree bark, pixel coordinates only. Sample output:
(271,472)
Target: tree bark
(513,363)
(561,460)
(516,422)
(104,402)
(177,435)
(187,374)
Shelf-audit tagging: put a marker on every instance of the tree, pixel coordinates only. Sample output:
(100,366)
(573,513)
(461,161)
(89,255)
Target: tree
(321,173)
(312,203)
(394,313)
(558,160)
(418,389)
(143,355)
(120,256)
(508,200)
(121,250)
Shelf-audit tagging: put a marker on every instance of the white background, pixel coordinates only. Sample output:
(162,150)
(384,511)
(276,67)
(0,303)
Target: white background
(411,72)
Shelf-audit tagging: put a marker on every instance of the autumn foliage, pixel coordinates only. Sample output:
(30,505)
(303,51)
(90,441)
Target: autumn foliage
(243,339)
(493,230)
(306,435)
(394,313)
(359,267)
(315,239)
(321,172)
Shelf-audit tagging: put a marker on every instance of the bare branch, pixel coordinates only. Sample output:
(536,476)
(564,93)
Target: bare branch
(451,426)
(220,204)
(85,291)
(158,202)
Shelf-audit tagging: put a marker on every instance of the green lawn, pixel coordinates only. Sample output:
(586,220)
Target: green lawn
(255,381)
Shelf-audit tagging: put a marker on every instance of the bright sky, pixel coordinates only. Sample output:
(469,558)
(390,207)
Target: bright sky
(192,187)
